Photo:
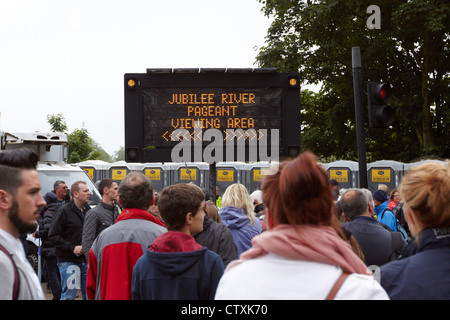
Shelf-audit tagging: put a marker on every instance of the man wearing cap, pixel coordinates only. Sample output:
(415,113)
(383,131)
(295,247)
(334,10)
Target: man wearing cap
(384,215)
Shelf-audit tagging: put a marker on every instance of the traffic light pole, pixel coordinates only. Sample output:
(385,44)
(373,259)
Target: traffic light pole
(359,116)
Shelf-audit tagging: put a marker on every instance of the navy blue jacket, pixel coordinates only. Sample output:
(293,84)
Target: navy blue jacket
(425,274)
(374,240)
(177,276)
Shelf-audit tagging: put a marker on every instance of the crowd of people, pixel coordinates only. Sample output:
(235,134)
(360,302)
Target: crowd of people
(298,237)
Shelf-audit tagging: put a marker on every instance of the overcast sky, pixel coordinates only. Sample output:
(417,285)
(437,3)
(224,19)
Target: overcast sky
(69,57)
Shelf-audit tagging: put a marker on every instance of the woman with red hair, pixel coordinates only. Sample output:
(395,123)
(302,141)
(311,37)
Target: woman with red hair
(302,254)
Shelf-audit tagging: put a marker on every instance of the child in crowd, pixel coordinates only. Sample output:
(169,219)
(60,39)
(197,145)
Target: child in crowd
(175,266)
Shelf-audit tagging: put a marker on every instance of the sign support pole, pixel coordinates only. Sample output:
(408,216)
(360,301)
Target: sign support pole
(359,116)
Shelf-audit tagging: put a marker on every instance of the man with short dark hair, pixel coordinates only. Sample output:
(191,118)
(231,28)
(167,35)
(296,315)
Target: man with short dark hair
(20,206)
(65,233)
(58,194)
(374,240)
(175,266)
(116,250)
(103,215)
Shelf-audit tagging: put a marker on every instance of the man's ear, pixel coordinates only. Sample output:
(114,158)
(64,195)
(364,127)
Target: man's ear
(5,200)
(153,200)
(189,218)
(369,208)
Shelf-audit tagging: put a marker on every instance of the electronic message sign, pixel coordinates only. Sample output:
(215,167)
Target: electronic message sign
(239,109)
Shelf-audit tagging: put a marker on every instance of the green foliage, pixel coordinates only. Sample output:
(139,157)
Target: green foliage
(410,51)
(81,147)
(57,122)
(119,155)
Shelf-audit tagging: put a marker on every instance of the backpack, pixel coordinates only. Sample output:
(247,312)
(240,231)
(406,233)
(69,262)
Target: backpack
(399,215)
(16,286)
(400,227)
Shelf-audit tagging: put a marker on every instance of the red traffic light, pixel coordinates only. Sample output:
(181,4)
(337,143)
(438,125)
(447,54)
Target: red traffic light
(382,92)
(381,113)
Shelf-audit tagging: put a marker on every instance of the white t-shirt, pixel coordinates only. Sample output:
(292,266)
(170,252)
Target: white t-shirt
(272,277)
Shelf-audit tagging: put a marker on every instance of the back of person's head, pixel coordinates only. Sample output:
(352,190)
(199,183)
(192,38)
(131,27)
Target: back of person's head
(236,195)
(176,201)
(12,162)
(369,197)
(354,203)
(105,183)
(383,187)
(22,158)
(212,211)
(136,191)
(425,189)
(300,193)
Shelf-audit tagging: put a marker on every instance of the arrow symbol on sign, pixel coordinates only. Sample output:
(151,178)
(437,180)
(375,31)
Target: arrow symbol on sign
(260,135)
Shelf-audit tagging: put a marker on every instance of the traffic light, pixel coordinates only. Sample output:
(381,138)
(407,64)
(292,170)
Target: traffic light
(381,113)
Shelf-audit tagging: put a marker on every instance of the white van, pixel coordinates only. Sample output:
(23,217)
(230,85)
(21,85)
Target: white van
(48,174)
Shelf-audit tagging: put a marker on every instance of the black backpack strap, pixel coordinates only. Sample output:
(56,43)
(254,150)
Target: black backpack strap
(397,245)
(16,285)
(382,214)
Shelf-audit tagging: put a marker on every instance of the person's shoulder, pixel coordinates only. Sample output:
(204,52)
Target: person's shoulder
(361,287)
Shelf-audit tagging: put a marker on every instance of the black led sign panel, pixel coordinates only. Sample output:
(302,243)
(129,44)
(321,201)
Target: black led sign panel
(164,108)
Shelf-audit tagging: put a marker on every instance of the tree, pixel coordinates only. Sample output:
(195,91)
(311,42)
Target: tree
(57,122)
(410,51)
(81,146)
(119,155)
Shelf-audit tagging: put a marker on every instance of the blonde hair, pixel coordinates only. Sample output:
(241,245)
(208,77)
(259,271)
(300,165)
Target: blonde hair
(426,190)
(236,195)
(383,187)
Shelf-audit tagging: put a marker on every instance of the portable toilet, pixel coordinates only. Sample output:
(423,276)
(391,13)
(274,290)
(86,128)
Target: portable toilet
(228,173)
(95,169)
(158,173)
(118,170)
(187,172)
(422,161)
(345,172)
(257,172)
(386,172)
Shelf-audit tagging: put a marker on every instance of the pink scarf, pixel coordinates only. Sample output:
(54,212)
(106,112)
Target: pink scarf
(307,242)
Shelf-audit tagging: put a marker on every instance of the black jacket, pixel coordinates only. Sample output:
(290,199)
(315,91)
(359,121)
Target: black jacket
(375,241)
(424,274)
(217,238)
(66,231)
(48,249)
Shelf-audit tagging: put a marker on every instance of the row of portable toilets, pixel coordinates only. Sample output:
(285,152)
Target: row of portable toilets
(164,174)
